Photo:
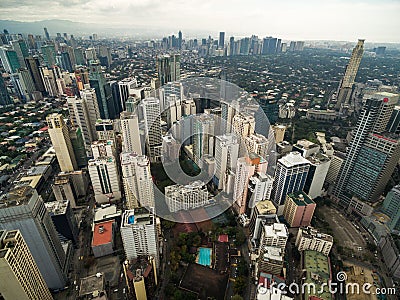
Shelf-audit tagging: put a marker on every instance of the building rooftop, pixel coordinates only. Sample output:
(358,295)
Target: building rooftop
(318,272)
(92,285)
(137,216)
(301,198)
(293,159)
(103,233)
(305,144)
(57,207)
(318,159)
(266,207)
(273,253)
(276,230)
(105,213)
(310,232)
(20,195)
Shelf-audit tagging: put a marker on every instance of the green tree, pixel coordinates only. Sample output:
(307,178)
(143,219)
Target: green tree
(240,285)
(237,297)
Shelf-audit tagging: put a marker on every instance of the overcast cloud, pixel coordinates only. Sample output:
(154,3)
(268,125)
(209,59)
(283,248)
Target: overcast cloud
(374,20)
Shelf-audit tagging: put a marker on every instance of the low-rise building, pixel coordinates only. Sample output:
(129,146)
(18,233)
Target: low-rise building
(317,273)
(309,238)
(103,238)
(270,260)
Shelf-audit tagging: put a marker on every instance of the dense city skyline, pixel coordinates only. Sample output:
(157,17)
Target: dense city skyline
(376,21)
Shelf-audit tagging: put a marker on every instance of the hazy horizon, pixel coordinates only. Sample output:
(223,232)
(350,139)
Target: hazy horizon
(377,21)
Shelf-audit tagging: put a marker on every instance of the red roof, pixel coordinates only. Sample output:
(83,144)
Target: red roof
(223,238)
(44,128)
(102,233)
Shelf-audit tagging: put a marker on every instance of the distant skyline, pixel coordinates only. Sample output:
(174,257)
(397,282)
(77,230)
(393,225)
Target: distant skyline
(344,20)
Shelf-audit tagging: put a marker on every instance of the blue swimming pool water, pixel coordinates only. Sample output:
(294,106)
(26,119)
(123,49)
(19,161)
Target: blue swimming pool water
(205,256)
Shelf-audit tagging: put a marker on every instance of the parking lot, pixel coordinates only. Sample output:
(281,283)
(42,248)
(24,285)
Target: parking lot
(346,234)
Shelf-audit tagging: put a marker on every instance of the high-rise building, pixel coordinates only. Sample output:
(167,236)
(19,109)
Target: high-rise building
(243,125)
(203,137)
(79,114)
(24,210)
(33,64)
(221,41)
(226,155)
(299,209)
(137,180)
(49,81)
(346,84)
(21,49)
(46,34)
(20,277)
(9,59)
(391,207)
(309,238)
(59,135)
(245,168)
(105,129)
(89,98)
(394,122)
(290,176)
(257,143)
(371,157)
(130,133)
(259,188)
(5,98)
(168,68)
(98,82)
(126,87)
(152,122)
(49,55)
(319,167)
(64,220)
(139,234)
(105,179)
(187,197)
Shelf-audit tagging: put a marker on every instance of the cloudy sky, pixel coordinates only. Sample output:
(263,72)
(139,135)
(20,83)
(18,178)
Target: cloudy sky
(374,20)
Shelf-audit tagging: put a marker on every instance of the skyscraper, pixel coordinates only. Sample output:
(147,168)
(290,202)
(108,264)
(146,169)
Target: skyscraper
(371,157)
(46,33)
(130,133)
(346,85)
(180,40)
(20,277)
(59,135)
(152,121)
(49,55)
(290,176)
(137,180)
(9,59)
(24,210)
(33,64)
(105,179)
(139,234)
(21,49)
(226,155)
(168,68)
(126,88)
(245,168)
(203,139)
(98,82)
(221,41)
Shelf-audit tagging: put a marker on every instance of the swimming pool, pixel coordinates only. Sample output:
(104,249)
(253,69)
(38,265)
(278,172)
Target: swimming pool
(205,256)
